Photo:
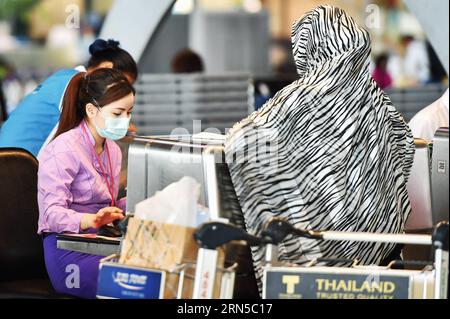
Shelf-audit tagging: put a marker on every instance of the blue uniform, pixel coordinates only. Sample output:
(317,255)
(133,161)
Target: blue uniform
(31,123)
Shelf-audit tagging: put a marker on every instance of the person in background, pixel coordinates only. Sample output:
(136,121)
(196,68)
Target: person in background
(187,61)
(3,114)
(416,62)
(380,73)
(3,108)
(34,121)
(437,71)
(425,123)
(409,64)
(78,176)
(262,94)
(11,84)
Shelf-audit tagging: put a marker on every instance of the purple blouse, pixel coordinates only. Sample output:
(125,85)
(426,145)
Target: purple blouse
(71,182)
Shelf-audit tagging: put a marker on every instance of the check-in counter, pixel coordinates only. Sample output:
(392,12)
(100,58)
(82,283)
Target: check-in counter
(156,162)
(428,191)
(428,183)
(419,189)
(439,175)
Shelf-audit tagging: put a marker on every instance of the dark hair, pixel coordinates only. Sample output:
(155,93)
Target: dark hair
(381,59)
(99,87)
(102,51)
(407,38)
(187,61)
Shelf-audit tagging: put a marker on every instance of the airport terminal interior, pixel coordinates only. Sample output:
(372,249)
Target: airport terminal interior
(224,149)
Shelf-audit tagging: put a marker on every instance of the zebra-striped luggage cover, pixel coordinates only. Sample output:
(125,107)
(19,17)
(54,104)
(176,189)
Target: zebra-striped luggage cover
(328,151)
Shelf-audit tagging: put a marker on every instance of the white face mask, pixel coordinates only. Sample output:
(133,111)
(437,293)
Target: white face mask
(115,128)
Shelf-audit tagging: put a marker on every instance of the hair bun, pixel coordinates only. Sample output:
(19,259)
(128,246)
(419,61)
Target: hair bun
(100,45)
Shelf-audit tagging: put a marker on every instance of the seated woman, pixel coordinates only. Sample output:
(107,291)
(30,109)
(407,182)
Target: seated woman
(327,152)
(78,177)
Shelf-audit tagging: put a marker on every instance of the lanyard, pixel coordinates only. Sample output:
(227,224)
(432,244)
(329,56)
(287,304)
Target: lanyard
(109,183)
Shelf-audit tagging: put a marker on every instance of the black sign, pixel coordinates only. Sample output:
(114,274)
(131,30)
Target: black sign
(308,285)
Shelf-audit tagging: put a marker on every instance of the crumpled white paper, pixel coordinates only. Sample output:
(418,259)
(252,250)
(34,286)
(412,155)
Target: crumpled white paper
(176,204)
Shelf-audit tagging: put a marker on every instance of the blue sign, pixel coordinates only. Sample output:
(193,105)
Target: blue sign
(123,282)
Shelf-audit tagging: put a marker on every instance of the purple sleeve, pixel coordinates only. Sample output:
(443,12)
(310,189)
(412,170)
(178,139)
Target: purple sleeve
(57,170)
(122,204)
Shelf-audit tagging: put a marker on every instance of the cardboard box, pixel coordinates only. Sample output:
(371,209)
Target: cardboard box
(157,245)
(118,281)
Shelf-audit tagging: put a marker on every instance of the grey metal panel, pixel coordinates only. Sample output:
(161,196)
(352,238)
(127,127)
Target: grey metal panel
(439,176)
(159,52)
(165,102)
(137,174)
(148,119)
(89,248)
(190,97)
(168,163)
(192,77)
(162,109)
(154,130)
(169,158)
(160,162)
(231,41)
(419,188)
(409,101)
(223,84)
(142,17)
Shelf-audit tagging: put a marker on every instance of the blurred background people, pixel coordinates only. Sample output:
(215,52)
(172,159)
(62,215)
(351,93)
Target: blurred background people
(187,61)
(251,36)
(3,113)
(416,62)
(381,74)
(33,123)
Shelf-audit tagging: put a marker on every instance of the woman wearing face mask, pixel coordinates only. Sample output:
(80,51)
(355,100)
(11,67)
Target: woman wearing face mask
(79,170)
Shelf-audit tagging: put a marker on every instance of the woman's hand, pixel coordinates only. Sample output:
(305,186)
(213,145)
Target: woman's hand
(132,128)
(103,217)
